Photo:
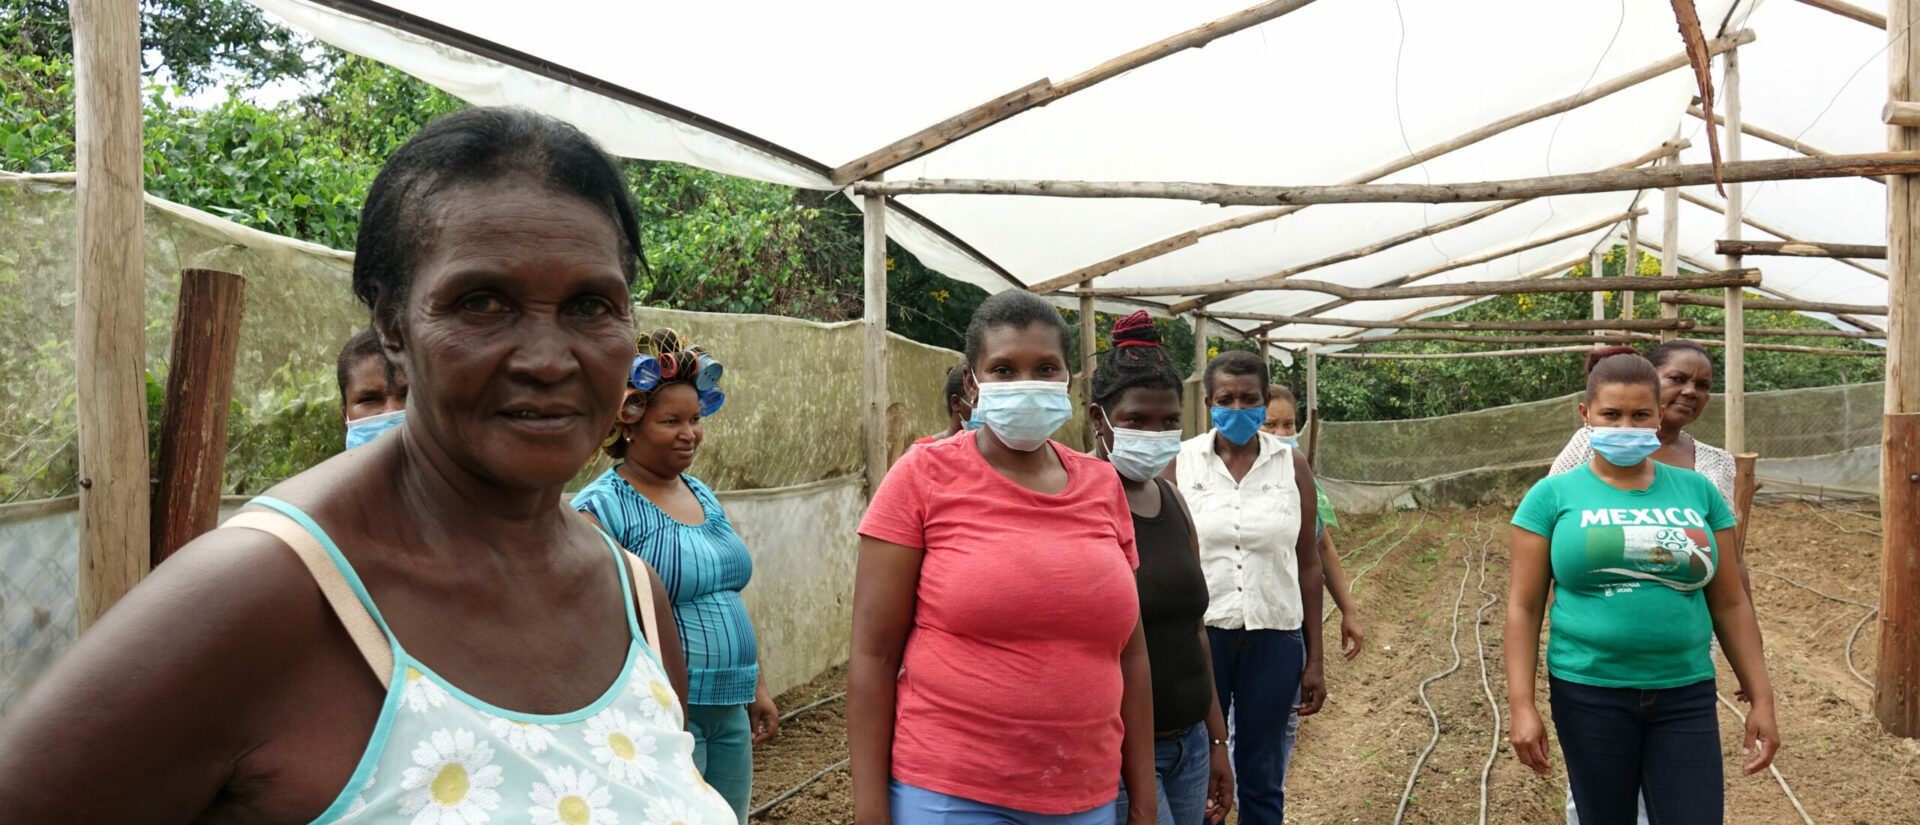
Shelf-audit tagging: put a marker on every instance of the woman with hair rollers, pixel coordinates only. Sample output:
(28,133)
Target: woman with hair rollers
(1630,547)
(1263,578)
(1136,419)
(653,507)
(999,671)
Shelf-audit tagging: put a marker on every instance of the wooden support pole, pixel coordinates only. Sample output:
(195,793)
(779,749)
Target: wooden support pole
(1449,356)
(1734,365)
(1688,299)
(1632,265)
(1560,268)
(1313,406)
(1800,249)
(1669,242)
(874,339)
(1901,113)
(1583,183)
(1089,358)
(1781,299)
(1858,334)
(1774,138)
(1545,110)
(1669,150)
(1850,11)
(1740,278)
(1196,412)
(1746,482)
(1778,233)
(109,316)
(1896,698)
(1858,353)
(193,419)
(1042,92)
(1596,267)
(1638,324)
(1465,338)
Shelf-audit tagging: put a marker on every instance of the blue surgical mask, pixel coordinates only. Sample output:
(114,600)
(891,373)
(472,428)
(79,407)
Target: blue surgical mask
(361,431)
(1239,426)
(1023,414)
(1141,454)
(1290,440)
(1624,446)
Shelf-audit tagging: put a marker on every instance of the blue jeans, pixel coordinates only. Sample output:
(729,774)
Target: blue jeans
(1181,765)
(723,752)
(1622,743)
(914,805)
(1258,675)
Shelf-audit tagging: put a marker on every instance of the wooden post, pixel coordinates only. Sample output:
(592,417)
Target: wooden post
(874,272)
(1313,404)
(1196,399)
(1896,696)
(1632,267)
(1597,267)
(1746,482)
(1089,358)
(109,317)
(1735,364)
(1669,243)
(193,421)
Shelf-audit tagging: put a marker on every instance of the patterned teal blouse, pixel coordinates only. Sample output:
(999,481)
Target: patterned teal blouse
(703,566)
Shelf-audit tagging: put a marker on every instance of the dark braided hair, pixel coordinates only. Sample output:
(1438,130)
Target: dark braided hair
(1620,365)
(1136,360)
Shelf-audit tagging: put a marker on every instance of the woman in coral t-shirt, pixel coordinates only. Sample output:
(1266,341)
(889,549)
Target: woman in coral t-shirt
(999,670)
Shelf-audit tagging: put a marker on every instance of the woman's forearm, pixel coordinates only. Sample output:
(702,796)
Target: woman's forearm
(871,682)
(1739,632)
(1216,717)
(1311,584)
(1336,576)
(1521,649)
(1136,715)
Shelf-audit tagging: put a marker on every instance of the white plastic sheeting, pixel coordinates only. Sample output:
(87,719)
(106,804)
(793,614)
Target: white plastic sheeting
(1315,96)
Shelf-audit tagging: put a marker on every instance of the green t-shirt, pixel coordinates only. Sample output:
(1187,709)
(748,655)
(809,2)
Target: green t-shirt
(1630,570)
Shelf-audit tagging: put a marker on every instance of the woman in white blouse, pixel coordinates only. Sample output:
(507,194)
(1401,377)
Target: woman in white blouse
(1686,384)
(1245,489)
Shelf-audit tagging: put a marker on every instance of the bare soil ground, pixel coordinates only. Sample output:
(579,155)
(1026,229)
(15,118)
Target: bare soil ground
(1353,759)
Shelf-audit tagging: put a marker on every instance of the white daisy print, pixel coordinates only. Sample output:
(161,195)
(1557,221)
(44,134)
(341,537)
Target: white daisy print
(421,694)
(571,798)
(673,811)
(625,748)
(659,702)
(523,737)
(452,780)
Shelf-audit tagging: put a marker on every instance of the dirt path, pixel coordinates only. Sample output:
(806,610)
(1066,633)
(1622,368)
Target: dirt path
(1352,760)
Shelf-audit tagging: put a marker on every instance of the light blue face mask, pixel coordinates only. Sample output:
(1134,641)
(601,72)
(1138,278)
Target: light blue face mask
(1141,454)
(361,431)
(1290,440)
(1624,446)
(1239,426)
(1023,414)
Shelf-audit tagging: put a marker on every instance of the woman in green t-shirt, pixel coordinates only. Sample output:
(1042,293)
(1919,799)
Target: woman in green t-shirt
(1630,547)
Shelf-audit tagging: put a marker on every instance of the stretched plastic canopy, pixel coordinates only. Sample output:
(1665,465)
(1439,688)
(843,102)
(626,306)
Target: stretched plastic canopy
(786,92)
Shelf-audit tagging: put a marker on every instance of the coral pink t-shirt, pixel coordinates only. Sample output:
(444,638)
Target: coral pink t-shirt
(1010,686)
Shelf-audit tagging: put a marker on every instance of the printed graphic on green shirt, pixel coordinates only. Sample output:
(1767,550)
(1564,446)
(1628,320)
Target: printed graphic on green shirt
(1621,558)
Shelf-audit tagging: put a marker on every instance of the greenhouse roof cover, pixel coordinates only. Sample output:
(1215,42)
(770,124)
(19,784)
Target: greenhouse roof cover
(786,92)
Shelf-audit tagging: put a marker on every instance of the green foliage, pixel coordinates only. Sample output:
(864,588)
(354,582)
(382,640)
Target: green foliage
(198,41)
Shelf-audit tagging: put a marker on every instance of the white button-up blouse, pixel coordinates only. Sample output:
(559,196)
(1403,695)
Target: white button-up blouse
(1247,534)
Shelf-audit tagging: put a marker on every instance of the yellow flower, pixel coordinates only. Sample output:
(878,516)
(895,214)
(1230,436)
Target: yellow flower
(1212,352)
(889,263)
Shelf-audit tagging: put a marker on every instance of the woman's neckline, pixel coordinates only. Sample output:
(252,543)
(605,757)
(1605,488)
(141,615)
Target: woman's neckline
(705,517)
(972,448)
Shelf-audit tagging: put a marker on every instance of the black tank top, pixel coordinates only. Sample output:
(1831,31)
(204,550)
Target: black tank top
(1173,604)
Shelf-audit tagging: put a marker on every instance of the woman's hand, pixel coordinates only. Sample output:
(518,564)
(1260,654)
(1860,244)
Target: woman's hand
(1219,784)
(763,717)
(1762,728)
(1529,738)
(1351,639)
(1313,689)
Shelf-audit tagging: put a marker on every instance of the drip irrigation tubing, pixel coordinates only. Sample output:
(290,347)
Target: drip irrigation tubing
(1486,685)
(1355,581)
(1776,771)
(1413,773)
(1398,517)
(807,707)
(763,809)
(1852,637)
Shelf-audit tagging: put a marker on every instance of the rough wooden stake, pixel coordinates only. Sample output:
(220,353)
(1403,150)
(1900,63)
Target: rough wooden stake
(874,338)
(1733,366)
(1313,406)
(1741,278)
(1584,183)
(1746,482)
(1688,299)
(1669,239)
(1089,358)
(1545,110)
(1896,695)
(193,419)
(109,318)
(1632,266)
(1195,416)
(1595,269)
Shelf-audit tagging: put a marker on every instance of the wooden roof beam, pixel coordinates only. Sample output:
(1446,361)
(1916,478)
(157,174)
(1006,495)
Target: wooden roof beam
(1623,338)
(1505,124)
(1774,291)
(1706,204)
(1851,12)
(1800,249)
(1574,325)
(1043,91)
(1545,272)
(1731,278)
(1688,299)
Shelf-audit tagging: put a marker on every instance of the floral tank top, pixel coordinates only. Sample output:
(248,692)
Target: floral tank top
(439,756)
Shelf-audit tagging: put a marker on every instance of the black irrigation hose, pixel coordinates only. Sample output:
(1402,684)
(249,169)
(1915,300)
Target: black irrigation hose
(1413,773)
(763,809)
(807,707)
(1493,746)
(1852,637)
(1355,581)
